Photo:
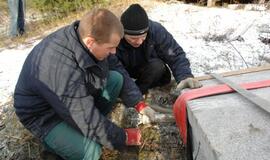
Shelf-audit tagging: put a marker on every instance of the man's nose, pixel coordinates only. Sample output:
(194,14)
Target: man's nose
(139,41)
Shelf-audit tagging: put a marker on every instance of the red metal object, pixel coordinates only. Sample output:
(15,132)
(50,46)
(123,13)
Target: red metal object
(140,106)
(133,136)
(179,107)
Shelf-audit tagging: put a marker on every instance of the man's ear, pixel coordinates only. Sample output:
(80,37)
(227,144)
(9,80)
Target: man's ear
(89,41)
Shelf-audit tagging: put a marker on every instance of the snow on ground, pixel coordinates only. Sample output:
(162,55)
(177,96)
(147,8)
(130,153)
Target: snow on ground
(212,38)
(11,61)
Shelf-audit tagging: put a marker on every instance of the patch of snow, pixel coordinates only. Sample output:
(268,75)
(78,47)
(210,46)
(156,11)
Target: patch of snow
(11,61)
(216,39)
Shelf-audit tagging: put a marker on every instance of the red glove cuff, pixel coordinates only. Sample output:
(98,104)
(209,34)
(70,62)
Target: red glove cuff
(133,136)
(140,106)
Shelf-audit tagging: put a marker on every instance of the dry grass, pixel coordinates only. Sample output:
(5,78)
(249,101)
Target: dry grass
(160,141)
(40,28)
(15,141)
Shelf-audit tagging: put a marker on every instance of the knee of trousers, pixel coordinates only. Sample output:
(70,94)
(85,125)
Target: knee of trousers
(116,78)
(157,67)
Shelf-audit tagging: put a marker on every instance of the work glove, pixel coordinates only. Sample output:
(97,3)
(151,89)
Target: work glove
(189,83)
(145,110)
(133,136)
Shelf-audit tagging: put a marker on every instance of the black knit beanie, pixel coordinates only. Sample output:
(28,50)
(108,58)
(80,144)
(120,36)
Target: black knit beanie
(135,20)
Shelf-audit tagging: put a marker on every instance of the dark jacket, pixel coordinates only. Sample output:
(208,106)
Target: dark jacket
(130,93)
(58,82)
(159,43)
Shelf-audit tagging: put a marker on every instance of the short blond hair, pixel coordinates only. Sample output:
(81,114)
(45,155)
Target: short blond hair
(100,24)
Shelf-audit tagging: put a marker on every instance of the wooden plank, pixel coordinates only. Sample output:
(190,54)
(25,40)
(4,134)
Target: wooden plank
(233,73)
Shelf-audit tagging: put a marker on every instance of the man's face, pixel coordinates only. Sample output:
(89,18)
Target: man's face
(135,41)
(103,50)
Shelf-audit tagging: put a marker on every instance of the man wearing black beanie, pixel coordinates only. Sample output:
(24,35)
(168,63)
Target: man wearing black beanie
(150,53)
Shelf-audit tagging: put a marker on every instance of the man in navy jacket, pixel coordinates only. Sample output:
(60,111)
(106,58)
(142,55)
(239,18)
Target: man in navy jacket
(150,53)
(66,87)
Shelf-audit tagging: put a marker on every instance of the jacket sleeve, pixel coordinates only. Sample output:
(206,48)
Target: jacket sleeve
(130,93)
(64,87)
(171,52)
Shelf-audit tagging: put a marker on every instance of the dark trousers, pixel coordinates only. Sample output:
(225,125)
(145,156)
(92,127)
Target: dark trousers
(21,17)
(153,74)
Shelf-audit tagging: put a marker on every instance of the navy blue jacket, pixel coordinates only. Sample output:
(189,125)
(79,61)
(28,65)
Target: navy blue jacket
(130,93)
(159,43)
(59,81)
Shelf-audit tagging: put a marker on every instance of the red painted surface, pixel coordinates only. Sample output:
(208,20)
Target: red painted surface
(179,107)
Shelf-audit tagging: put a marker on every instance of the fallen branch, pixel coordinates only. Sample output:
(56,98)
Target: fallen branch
(238,54)
(243,32)
(142,146)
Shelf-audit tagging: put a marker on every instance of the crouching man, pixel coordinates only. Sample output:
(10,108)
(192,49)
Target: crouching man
(66,88)
(150,53)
